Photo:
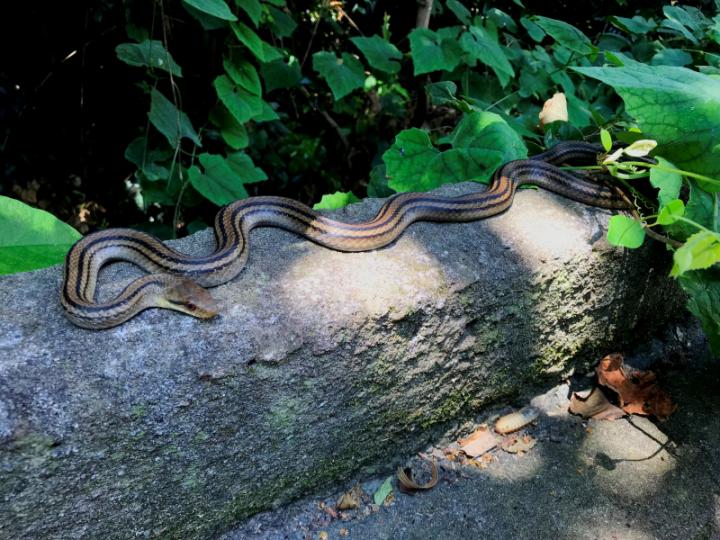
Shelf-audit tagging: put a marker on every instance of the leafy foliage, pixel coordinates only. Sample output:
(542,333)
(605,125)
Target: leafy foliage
(327,100)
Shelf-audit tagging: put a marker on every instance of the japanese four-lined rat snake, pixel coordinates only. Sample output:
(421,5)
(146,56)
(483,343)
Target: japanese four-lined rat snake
(176,281)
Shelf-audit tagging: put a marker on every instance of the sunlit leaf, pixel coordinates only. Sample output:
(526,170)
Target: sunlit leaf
(430,52)
(678,107)
(339,199)
(31,238)
(700,251)
(626,232)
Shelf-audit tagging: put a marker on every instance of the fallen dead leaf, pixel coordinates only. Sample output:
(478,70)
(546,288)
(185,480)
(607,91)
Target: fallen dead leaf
(323,535)
(343,532)
(349,500)
(638,392)
(595,405)
(478,442)
(408,485)
(518,445)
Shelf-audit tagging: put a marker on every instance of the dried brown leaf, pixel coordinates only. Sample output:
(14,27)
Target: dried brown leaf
(408,485)
(595,405)
(478,442)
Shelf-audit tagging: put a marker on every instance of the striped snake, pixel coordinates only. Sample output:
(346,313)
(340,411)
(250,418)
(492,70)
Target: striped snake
(175,281)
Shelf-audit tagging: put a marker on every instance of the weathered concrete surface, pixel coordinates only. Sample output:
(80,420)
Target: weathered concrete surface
(322,364)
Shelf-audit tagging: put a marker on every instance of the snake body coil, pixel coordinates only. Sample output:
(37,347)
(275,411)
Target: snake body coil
(175,280)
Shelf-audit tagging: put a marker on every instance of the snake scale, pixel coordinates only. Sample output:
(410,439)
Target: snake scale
(176,281)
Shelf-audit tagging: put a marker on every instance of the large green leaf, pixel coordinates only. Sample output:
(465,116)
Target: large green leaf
(242,104)
(149,53)
(625,231)
(343,75)
(408,159)
(222,180)
(431,52)
(244,75)
(216,8)
(280,22)
(281,74)
(262,51)
(31,238)
(481,47)
(702,208)
(667,183)
(481,143)
(380,53)
(170,121)
(253,8)
(678,107)
(566,34)
(233,132)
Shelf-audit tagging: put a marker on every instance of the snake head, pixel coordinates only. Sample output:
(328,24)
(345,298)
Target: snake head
(188,297)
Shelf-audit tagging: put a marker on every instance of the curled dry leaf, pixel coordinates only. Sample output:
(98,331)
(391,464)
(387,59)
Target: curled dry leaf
(408,485)
(554,110)
(638,391)
(478,442)
(595,405)
(517,420)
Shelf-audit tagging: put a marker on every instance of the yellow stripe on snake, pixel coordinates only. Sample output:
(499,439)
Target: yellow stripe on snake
(175,281)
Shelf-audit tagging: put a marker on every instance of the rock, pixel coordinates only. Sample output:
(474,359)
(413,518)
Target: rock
(322,364)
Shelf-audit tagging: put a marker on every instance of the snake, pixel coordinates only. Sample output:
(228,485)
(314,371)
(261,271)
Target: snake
(178,281)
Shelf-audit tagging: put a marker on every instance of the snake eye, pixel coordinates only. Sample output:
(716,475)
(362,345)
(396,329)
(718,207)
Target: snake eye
(191,306)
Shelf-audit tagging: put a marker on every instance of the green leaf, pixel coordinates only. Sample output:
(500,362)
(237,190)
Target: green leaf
(671,57)
(673,211)
(245,169)
(31,238)
(150,54)
(636,25)
(481,142)
(262,51)
(281,23)
(138,153)
(281,74)
(566,35)
(443,93)
(702,207)
(383,491)
(487,131)
(667,183)
(606,139)
(481,47)
(430,52)
(678,107)
(700,251)
(216,8)
(703,290)
(408,159)
(339,199)
(378,182)
(626,232)
(253,8)
(208,22)
(219,183)
(242,104)
(379,53)
(244,75)
(460,11)
(233,133)
(266,114)
(343,75)
(170,121)
(534,31)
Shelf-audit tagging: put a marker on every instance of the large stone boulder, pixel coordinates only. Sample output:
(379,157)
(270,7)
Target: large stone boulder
(322,364)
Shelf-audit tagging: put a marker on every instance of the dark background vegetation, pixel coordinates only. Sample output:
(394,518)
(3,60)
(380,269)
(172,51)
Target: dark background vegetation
(69,107)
